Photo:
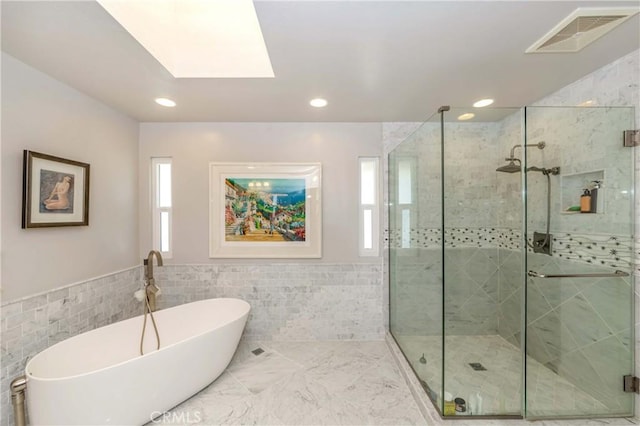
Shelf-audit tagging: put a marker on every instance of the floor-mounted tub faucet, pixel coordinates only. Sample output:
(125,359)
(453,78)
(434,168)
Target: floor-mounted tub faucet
(18,387)
(150,287)
(150,291)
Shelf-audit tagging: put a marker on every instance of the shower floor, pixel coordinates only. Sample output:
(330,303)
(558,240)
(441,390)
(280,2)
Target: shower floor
(499,384)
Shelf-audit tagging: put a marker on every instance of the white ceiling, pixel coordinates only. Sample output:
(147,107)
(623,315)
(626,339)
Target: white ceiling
(373,60)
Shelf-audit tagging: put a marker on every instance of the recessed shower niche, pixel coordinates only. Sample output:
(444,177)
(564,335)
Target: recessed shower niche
(573,186)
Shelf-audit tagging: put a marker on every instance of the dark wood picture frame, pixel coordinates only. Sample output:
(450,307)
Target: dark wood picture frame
(55,191)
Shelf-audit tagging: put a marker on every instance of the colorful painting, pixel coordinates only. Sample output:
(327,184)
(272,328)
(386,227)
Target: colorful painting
(264,210)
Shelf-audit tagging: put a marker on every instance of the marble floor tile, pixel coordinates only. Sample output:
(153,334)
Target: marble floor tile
(263,370)
(323,383)
(340,367)
(549,394)
(381,392)
(296,397)
(304,383)
(244,351)
(300,352)
(499,385)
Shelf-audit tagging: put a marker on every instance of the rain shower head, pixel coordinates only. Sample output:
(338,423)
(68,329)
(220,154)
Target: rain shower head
(512,167)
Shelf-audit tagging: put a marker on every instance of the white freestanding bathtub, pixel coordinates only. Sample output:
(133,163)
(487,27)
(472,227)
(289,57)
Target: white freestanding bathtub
(99,377)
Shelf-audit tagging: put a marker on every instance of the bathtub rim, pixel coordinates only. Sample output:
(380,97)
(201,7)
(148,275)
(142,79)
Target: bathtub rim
(30,375)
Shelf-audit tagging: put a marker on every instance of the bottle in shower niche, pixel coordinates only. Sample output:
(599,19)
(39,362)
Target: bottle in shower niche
(595,185)
(585,202)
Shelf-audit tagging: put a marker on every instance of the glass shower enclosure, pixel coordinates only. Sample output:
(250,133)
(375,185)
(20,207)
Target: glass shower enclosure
(510,260)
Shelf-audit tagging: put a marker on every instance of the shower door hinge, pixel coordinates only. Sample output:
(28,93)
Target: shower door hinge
(631,138)
(631,384)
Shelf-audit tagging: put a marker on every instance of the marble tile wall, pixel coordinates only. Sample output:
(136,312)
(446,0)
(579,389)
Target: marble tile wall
(416,292)
(616,84)
(578,328)
(470,198)
(471,293)
(32,324)
(612,251)
(583,142)
(417,137)
(288,301)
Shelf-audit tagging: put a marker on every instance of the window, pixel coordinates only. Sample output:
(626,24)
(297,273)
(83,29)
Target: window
(405,199)
(369,222)
(161,205)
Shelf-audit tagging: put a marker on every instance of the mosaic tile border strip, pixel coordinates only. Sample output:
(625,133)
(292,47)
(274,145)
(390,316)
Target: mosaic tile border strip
(615,251)
(457,237)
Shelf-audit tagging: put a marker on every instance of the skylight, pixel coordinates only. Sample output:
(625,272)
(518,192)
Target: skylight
(197,38)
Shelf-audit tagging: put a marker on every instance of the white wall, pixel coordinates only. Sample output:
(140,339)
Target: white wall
(43,115)
(193,145)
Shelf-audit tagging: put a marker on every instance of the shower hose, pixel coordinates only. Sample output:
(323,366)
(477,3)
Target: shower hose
(147,310)
(546,237)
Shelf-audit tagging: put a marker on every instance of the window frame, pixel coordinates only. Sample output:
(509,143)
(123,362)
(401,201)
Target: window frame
(374,209)
(157,211)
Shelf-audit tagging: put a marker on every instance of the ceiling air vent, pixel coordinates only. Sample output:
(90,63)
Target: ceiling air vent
(581,27)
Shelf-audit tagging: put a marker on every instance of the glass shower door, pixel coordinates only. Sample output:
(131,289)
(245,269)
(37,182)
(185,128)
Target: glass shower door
(579,296)
(415,253)
(482,213)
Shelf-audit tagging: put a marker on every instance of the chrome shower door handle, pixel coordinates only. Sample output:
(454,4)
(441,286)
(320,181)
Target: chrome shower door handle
(615,274)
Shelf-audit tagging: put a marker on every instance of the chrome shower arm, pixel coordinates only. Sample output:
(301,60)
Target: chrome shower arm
(513,152)
(540,145)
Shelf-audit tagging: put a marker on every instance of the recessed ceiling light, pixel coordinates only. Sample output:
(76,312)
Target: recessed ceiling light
(165,102)
(483,103)
(466,116)
(318,103)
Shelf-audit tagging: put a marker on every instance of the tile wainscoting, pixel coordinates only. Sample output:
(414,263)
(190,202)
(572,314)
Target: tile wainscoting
(289,302)
(34,323)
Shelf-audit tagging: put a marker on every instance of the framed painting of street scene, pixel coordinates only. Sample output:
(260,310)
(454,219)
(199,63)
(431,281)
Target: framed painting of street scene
(266,210)
(55,191)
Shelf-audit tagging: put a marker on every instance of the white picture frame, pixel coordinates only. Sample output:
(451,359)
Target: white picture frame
(265,210)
